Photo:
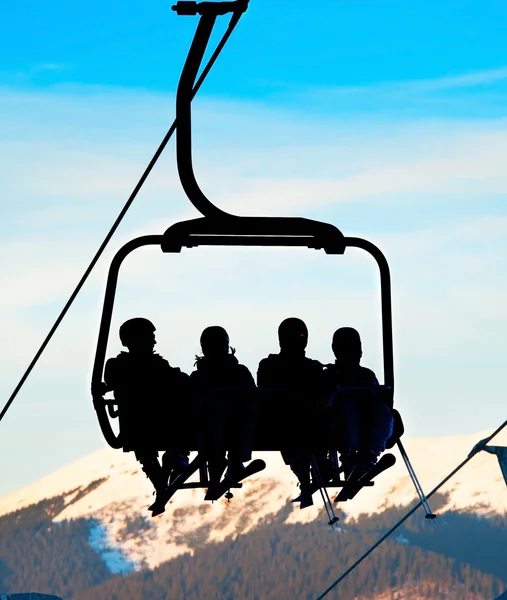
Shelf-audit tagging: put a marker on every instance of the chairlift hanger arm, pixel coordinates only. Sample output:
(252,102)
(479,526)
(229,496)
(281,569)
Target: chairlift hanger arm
(254,231)
(217,221)
(184,114)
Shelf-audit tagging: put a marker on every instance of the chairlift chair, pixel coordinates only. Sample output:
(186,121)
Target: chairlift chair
(219,228)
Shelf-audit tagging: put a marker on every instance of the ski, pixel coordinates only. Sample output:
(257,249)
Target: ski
(216,492)
(315,487)
(162,498)
(353,487)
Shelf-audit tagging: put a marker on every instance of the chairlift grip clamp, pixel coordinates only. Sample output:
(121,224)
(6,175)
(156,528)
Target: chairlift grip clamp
(190,8)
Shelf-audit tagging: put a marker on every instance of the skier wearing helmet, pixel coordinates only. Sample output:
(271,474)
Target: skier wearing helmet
(302,377)
(363,420)
(290,367)
(143,383)
(223,388)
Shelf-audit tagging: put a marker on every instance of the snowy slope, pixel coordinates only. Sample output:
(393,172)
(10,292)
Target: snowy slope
(124,496)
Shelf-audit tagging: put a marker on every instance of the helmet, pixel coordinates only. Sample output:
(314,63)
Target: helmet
(293,333)
(214,339)
(347,340)
(133,328)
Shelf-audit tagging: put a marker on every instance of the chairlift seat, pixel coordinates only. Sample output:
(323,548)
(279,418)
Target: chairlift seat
(278,419)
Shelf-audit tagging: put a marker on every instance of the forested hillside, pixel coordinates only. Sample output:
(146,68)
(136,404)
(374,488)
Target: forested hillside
(460,556)
(39,555)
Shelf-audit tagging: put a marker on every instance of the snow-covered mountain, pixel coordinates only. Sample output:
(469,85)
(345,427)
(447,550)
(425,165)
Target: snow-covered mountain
(109,488)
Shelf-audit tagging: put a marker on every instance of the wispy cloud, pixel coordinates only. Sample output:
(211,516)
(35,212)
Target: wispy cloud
(50,67)
(35,73)
(277,166)
(456,96)
(466,80)
(417,86)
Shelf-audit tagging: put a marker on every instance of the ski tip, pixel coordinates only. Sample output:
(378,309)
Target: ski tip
(306,503)
(341,497)
(389,458)
(157,511)
(212,495)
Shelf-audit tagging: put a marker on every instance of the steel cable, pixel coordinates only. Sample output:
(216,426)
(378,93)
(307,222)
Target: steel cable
(232,24)
(474,451)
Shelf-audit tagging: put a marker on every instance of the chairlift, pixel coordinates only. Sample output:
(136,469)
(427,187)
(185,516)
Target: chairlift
(219,228)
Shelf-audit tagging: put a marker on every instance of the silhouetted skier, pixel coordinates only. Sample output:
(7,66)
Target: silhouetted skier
(224,389)
(363,420)
(290,367)
(293,371)
(151,393)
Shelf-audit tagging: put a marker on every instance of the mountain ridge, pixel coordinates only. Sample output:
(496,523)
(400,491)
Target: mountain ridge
(109,487)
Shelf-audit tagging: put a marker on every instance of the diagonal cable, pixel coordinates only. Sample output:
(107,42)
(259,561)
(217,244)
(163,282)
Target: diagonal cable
(474,451)
(234,21)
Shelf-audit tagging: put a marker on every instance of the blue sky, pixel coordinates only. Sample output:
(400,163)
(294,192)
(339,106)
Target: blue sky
(282,44)
(387,119)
